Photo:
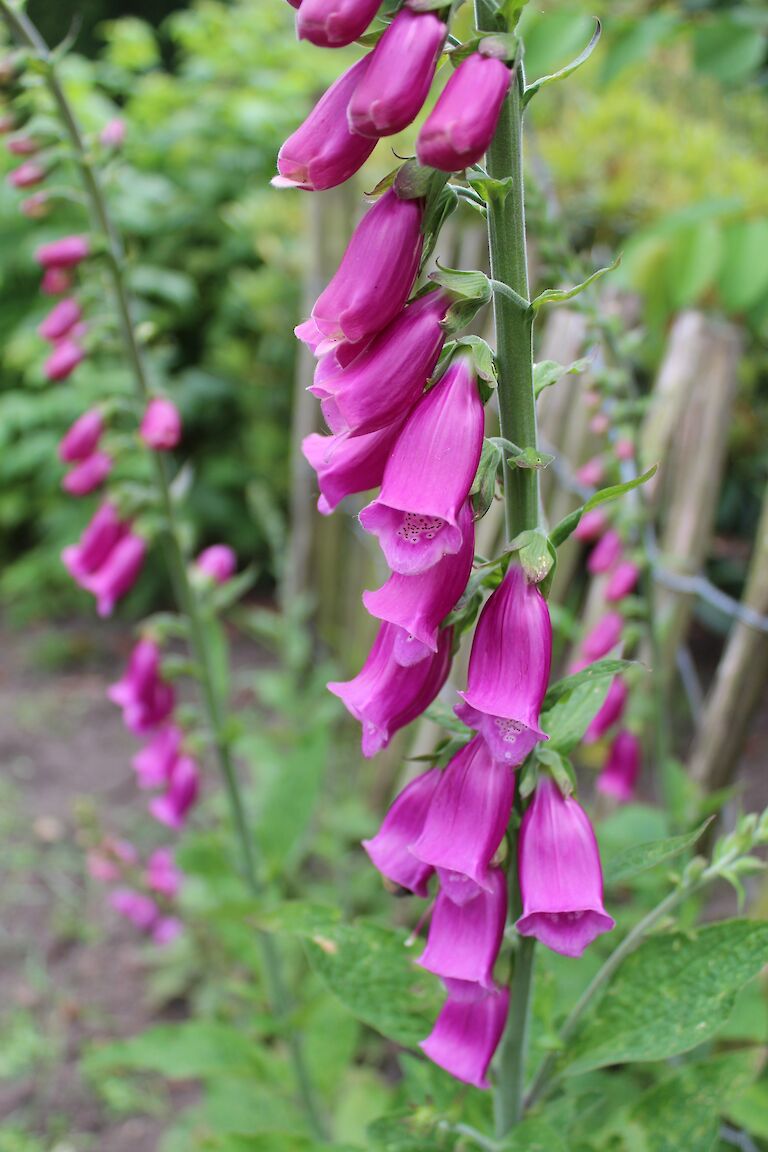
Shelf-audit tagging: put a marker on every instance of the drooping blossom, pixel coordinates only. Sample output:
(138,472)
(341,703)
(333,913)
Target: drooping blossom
(466,821)
(396,83)
(389,850)
(591,474)
(509,668)
(112,134)
(153,765)
(592,525)
(63,360)
(622,581)
(27,175)
(618,777)
(117,574)
(348,464)
(82,438)
(161,425)
(334,23)
(464,939)
(377,271)
(604,636)
(561,880)
(145,698)
(323,152)
(466,1035)
(55,282)
(605,554)
(458,131)
(218,563)
(140,909)
(100,537)
(386,696)
(163,874)
(181,795)
(418,604)
(429,474)
(64,253)
(60,320)
(88,475)
(610,713)
(403,355)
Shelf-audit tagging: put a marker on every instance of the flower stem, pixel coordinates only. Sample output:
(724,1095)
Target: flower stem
(517,413)
(22,28)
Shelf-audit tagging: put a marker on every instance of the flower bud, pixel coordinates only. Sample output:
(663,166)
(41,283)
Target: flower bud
(63,253)
(335,23)
(591,474)
(112,134)
(89,475)
(161,425)
(458,131)
(592,525)
(27,175)
(218,563)
(145,698)
(604,636)
(622,581)
(622,768)
(55,282)
(61,320)
(162,874)
(103,533)
(63,360)
(605,554)
(153,765)
(82,438)
(173,807)
(22,146)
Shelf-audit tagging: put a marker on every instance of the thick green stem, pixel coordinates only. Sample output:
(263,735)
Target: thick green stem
(26,33)
(517,412)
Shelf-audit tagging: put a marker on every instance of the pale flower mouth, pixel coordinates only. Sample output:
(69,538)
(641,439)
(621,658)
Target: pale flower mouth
(415,526)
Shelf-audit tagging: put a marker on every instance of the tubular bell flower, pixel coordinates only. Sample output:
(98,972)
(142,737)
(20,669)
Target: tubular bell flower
(376,273)
(141,910)
(391,93)
(347,464)
(161,425)
(145,698)
(63,360)
(418,604)
(154,763)
(464,939)
(117,574)
(604,636)
(104,532)
(561,880)
(88,475)
(458,131)
(509,669)
(622,581)
(55,281)
(183,790)
(622,768)
(64,253)
(389,849)
(323,152)
(605,553)
(162,874)
(466,1035)
(83,437)
(466,821)
(27,175)
(611,711)
(61,320)
(354,398)
(385,695)
(429,474)
(335,23)
(218,563)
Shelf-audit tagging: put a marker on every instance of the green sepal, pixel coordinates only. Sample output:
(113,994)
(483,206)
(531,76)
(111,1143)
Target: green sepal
(500,45)
(569,523)
(414,181)
(548,372)
(483,358)
(471,292)
(483,488)
(568,70)
(489,189)
(560,769)
(528,777)
(558,295)
(534,553)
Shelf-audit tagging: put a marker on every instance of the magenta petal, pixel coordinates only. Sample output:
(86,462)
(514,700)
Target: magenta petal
(458,131)
(117,574)
(61,320)
(560,875)
(622,581)
(605,553)
(389,849)
(604,636)
(345,465)
(464,939)
(153,765)
(466,1035)
(622,768)
(97,541)
(334,23)
(83,437)
(88,475)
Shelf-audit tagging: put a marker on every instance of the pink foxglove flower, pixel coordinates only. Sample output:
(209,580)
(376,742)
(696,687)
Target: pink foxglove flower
(110,859)
(153,765)
(161,425)
(458,131)
(166,930)
(22,146)
(466,821)
(401,67)
(622,581)
(61,320)
(55,282)
(83,437)
(141,910)
(64,253)
(605,554)
(418,604)
(591,474)
(466,1035)
(117,574)
(162,874)
(386,696)
(404,354)
(174,805)
(63,360)
(599,424)
(389,850)
(604,636)
(622,768)
(429,474)
(335,23)
(145,698)
(376,273)
(464,939)
(347,464)
(218,563)
(323,152)
(610,713)
(509,669)
(592,525)
(27,175)
(624,449)
(112,134)
(88,475)
(561,880)
(103,533)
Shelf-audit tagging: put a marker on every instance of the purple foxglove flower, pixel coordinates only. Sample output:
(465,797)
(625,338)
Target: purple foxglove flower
(104,532)
(161,425)
(141,910)
(22,146)
(622,768)
(335,23)
(218,563)
(611,711)
(162,874)
(64,253)
(145,698)
(27,175)
(429,474)
(419,604)
(391,93)
(61,320)
(464,939)
(385,696)
(509,669)
(389,849)
(323,152)
(591,473)
(592,525)
(88,475)
(604,636)
(83,437)
(467,819)
(55,282)
(154,764)
(347,464)
(172,808)
(458,131)
(605,553)
(63,360)
(622,581)
(35,207)
(112,134)
(560,876)
(166,930)
(376,274)
(117,574)
(404,354)
(466,1035)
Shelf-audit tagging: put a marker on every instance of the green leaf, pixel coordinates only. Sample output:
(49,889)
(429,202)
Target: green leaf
(406,1132)
(466,285)
(569,523)
(641,857)
(593,672)
(743,278)
(634,41)
(548,372)
(558,295)
(670,995)
(569,719)
(750,1111)
(729,50)
(568,70)
(560,770)
(534,1135)
(194,1049)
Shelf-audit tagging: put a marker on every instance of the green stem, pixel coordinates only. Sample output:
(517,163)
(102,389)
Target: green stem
(517,413)
(27,34)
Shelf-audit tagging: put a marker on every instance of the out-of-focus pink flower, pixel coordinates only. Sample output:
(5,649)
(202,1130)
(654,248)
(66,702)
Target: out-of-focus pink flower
(36,206)
(173,807)
(591,474)
(153,765)
(145,698)
(334,23)
(63,360)
(592,525)
(141,910)
(88,475)
(103,533)
(27,175)
(604,636)
(55,282)
(610,712)
(108,862)
(64,253)
(622,581)
(218,562)
(117,574)
(161,425)
(466,1035)
(458,131)
(22,146)
(166,930)
(606,553)
(163,874)
(60,320)
(599,424)
(624,449)
(622,768)
(389,850)
(113,133)
(83,437)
